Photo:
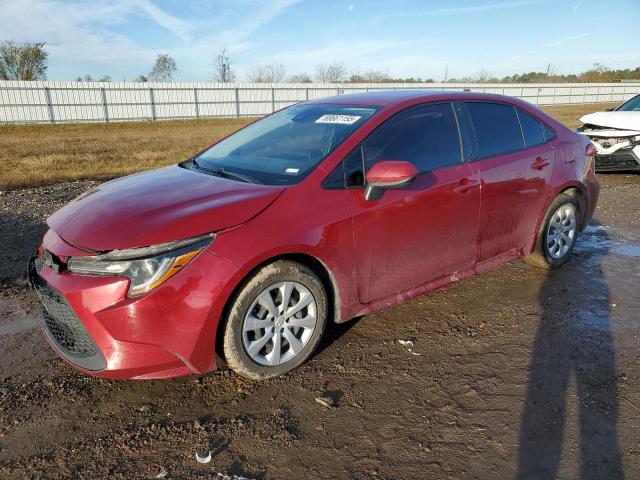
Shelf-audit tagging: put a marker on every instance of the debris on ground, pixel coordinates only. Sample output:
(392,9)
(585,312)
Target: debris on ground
(326,401)
(409,343)
(200,459)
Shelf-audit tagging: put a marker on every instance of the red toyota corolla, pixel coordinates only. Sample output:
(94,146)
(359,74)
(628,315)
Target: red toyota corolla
(321,212)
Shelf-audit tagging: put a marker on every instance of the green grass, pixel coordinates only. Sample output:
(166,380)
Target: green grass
(32,155)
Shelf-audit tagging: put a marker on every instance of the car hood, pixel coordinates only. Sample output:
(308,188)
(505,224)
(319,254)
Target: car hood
(158,206)
(620,120)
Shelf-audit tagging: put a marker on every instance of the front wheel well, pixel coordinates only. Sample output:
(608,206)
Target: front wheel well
(317,266)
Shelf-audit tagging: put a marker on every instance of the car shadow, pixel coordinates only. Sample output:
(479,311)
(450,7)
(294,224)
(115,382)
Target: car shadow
(573,341)
(20,236)
(333,332)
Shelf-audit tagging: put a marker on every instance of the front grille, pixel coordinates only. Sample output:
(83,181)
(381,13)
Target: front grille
(63,325)
(60,324)
(608,142)
(618,160)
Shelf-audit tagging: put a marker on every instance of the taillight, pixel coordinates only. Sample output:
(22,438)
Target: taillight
(591,150)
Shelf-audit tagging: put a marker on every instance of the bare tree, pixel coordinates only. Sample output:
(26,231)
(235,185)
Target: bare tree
(300,78)
(27,61)
(483,76)
(89,78)
(599,68)
(222,67)
(331,73)
(268,73)
(164,68)
(373,76)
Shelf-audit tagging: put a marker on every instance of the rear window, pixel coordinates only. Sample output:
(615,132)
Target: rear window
(496,127)
(532,129)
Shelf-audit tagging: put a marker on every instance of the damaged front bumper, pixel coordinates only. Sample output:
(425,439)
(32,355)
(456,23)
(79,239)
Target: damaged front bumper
(93,325)
(616,150)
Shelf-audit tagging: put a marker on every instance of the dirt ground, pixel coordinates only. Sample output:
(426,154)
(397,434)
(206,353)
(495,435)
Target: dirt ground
(514,373)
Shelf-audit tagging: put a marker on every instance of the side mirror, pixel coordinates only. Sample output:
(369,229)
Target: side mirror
(388,174)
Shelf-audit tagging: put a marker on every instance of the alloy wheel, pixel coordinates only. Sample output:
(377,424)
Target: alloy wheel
(561,233)
(279,323)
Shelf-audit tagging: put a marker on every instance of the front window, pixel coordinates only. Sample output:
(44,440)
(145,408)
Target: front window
(283,148)
(632,105)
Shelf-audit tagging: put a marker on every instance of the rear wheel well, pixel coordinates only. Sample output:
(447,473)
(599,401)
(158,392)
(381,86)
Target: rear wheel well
(319,268)
(580,198)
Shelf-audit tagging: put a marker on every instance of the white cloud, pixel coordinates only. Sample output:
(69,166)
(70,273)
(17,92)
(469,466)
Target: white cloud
(170,22)
(90,37)
(552,44)
(357,52)
(462,10)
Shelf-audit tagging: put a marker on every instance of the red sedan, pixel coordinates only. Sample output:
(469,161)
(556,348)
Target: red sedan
(321,212)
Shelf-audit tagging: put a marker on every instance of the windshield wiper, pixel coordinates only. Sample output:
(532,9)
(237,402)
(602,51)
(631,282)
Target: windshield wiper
(221,172)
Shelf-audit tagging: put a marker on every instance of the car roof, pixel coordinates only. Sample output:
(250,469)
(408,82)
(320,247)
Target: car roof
(389,98)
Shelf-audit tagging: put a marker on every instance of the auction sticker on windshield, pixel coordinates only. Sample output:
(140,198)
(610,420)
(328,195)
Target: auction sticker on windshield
(339,119)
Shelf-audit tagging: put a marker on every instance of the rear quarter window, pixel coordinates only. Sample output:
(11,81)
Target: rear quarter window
(496,128)
(532,129)
(549,133)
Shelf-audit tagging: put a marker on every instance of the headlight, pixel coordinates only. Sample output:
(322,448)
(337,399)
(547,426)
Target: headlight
(147,267)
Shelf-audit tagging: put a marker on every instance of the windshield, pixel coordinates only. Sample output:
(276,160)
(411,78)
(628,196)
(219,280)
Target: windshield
(632,105)
(283,148)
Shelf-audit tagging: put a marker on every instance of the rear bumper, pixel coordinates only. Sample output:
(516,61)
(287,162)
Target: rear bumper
(91,324)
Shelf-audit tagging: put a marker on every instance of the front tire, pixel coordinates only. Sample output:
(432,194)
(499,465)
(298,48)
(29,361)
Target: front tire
(558,234)
(276,321)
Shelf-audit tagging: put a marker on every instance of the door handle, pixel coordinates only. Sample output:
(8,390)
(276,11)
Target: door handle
(539,163)
(465,185)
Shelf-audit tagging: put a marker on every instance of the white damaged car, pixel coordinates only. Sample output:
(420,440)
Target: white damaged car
(616,136)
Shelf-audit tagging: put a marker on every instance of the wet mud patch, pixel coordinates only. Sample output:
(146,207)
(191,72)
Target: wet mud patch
(513,365)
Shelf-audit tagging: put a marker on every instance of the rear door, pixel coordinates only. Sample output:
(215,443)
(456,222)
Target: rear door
(515,176)
(426,230)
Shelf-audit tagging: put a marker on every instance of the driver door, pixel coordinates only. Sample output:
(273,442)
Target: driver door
(426,230)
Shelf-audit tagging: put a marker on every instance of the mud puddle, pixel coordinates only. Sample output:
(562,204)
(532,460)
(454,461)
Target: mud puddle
(14,318)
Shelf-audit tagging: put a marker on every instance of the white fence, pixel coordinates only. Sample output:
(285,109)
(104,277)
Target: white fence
(68,102)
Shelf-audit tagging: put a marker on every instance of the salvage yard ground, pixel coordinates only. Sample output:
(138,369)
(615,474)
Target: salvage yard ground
(508,374)
(42,154)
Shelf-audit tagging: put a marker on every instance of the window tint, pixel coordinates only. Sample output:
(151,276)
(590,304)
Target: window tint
(532,129)
(427,136)
(469,143)
(496,128)
(632,105)
(335,179)
(549,133)
(354,169)
(349,172)
(283,148)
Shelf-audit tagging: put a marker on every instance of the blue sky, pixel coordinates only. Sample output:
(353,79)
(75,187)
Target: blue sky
(406,38)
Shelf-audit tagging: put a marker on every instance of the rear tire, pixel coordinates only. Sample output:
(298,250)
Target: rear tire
(558,234)
(276,321)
